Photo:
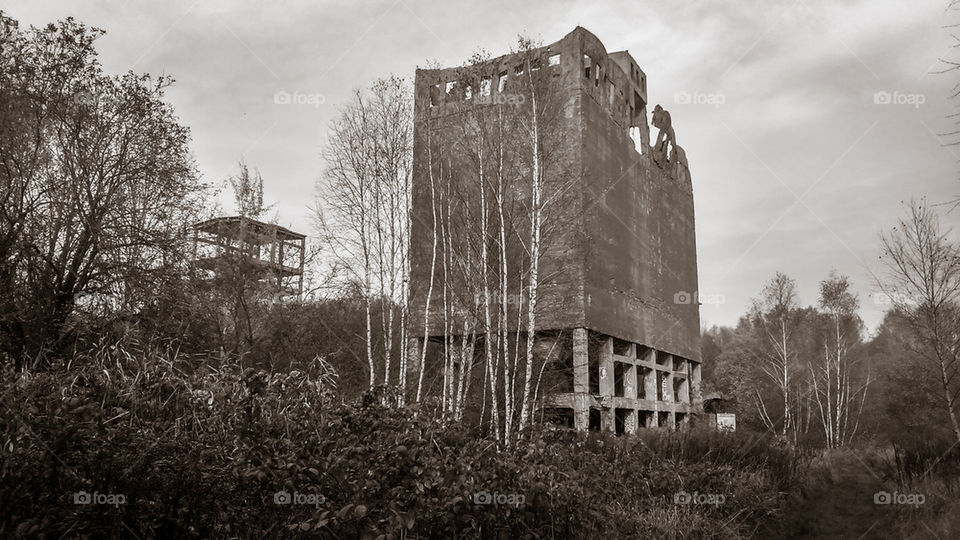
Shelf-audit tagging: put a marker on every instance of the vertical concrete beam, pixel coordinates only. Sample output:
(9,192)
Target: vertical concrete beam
(630,423)
(606,367)
(581,380)
(696,396)
(581,412)
(608,420)
(581,362)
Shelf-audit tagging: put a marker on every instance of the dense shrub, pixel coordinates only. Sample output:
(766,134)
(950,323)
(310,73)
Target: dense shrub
(200,450)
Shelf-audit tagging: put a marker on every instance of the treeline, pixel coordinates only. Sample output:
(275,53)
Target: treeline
(811,376)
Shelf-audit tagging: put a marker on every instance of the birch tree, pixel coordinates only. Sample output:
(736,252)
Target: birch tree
(362,212)
(839,395)
(774,316)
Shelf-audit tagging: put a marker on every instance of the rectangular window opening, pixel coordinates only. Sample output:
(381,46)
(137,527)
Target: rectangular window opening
(553,60)
(485,87)
(619,370)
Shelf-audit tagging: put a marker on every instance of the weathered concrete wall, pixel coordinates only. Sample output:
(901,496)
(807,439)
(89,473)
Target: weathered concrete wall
(626,250)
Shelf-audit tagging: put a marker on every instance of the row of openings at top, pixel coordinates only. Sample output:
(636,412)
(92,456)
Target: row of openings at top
(459,91)
(593,71)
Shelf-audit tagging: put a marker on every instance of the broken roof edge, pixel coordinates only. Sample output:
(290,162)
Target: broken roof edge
(210,224)
(578,31)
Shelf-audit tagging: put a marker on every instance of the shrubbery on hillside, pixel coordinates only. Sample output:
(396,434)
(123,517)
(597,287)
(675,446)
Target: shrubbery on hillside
(168,448)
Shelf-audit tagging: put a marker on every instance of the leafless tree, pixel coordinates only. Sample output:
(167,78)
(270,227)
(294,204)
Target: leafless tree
(363,208)
(922,279)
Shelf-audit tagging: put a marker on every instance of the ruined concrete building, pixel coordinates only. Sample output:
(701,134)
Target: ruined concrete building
(235,246)
(618,311)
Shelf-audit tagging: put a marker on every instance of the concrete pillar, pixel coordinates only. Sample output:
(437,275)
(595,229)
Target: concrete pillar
(606,367)
(608,421)
(630,422)
(695,394)
(650,384)
(581,361)
(581,379)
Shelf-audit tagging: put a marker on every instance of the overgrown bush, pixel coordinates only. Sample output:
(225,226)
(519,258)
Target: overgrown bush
(202,450)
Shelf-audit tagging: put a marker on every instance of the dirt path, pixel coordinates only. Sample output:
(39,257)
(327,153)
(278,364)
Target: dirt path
(838,502)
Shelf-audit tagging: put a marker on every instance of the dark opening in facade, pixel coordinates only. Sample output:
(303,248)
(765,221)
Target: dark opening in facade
(594,420)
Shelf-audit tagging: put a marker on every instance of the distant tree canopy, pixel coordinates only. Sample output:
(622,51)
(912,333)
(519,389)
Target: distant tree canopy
(97,184)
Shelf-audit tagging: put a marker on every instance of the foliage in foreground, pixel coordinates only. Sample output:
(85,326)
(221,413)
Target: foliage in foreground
(204,452)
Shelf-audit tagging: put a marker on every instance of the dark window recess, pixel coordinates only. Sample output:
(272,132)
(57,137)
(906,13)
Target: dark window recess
(560,416)
(594,420)
(620,417)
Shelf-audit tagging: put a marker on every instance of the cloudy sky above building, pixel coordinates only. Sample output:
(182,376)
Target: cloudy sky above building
(807,123)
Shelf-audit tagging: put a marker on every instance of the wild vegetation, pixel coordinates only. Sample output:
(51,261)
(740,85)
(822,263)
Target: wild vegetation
(139,397)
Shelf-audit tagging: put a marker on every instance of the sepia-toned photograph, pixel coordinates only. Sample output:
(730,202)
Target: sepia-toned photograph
(408,269)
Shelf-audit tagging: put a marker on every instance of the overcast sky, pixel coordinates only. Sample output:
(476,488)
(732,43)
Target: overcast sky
(795,166)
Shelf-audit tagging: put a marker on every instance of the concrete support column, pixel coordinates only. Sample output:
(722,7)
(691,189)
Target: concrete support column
(606,367)
(696,396)
(608,420)
(630,422)
(581,379)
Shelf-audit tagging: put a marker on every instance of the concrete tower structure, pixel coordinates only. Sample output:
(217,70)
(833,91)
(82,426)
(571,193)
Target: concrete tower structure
(621,297)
